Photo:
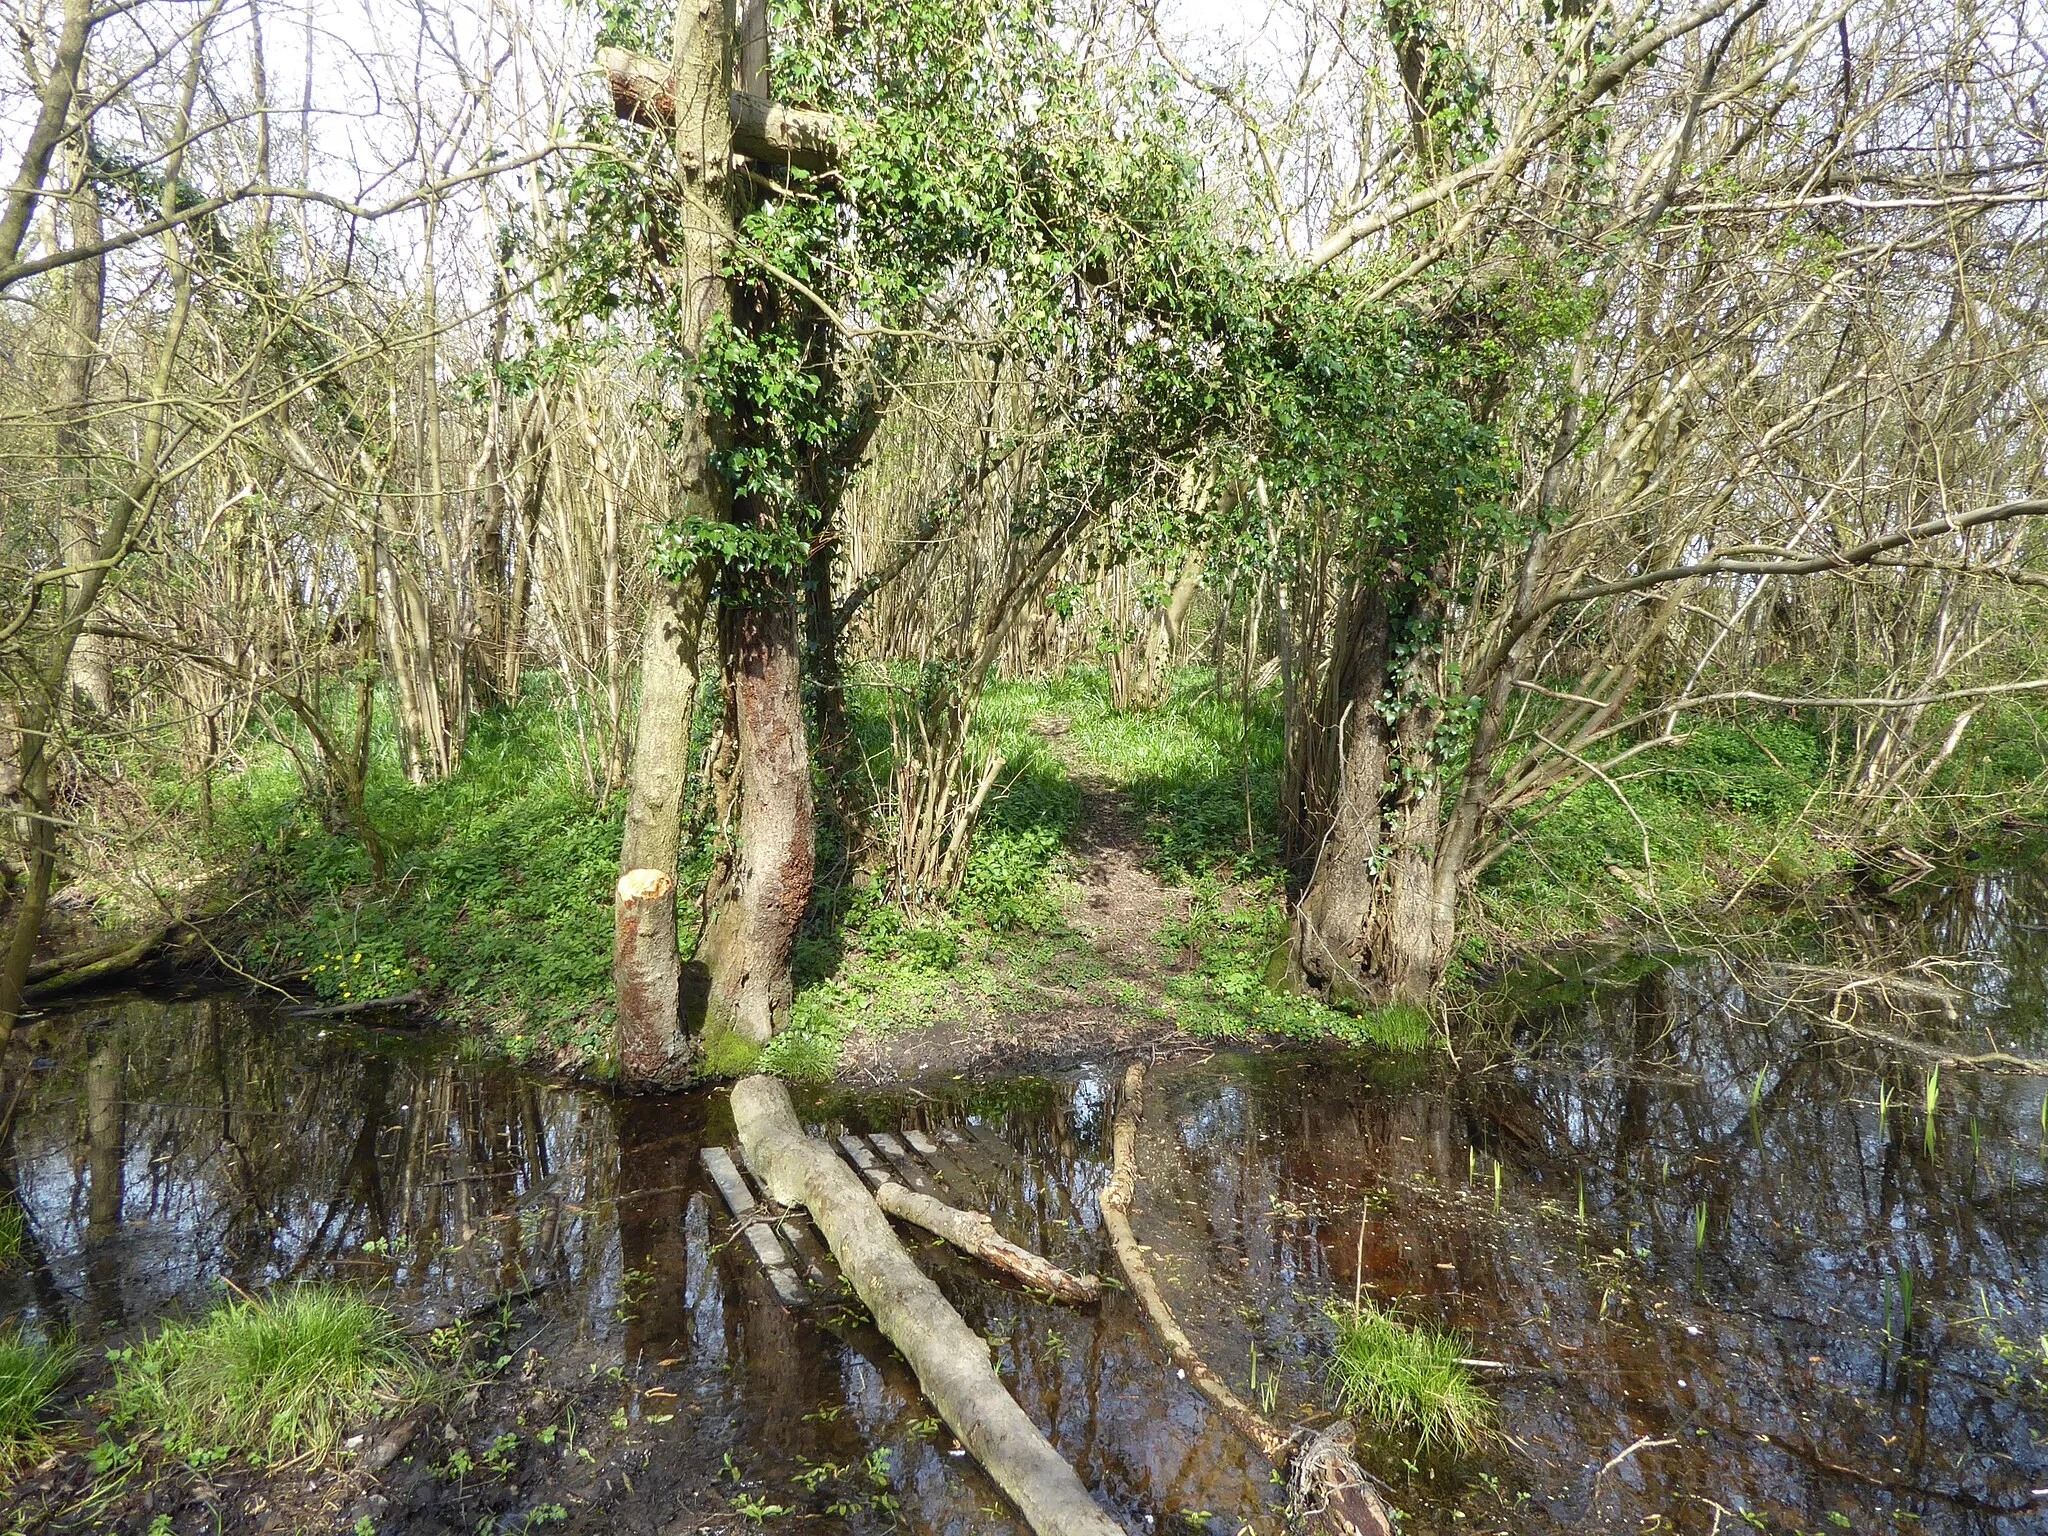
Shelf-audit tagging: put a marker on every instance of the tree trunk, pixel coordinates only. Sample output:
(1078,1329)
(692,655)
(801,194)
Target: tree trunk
(1326,936)
(91,674)
(725,984)
(950,1359)
(660,770)
(1161,646)
(1406,946)
(739,982)
(647,972)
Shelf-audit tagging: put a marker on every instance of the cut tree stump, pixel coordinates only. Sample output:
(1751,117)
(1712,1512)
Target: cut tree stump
(950,1359)
(647,974)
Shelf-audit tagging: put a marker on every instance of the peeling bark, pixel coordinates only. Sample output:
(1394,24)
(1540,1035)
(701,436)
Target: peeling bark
(741,969)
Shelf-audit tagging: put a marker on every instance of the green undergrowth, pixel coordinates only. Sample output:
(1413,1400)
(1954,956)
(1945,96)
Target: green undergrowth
(267,1379)
(32,1372)
(499,880)
(1197,780)
(495,898)
(1407,1379)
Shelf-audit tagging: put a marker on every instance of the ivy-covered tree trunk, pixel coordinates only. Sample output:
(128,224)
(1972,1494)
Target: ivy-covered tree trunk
(1375,921)
(740,978)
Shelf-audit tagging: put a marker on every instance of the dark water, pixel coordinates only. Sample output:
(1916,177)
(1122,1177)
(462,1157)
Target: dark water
(1731,1294)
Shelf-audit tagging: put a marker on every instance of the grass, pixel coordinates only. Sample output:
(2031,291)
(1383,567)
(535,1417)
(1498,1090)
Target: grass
(31,1374)
(1407,1379)
(13,1230)
(496,894)
(267,1379)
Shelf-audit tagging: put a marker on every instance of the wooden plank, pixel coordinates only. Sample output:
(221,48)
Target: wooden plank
(991,1143)
(755,1225)
(950,1168)
(864,1160)
(807,1248)
(905,1165)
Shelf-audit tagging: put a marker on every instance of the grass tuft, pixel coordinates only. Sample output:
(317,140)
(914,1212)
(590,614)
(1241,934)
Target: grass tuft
(269,1378)
(1407,1378)
(13,1230)
(31,1373)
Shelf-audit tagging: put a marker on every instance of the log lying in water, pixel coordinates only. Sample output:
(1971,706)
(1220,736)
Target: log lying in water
(1328,1491)
(88,967)
(951,1360)
(971,1232)
(393,1002)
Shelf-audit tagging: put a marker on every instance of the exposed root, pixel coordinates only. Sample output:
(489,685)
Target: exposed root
(1327,1489)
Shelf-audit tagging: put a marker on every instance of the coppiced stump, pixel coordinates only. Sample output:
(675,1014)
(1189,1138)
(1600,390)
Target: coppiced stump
(647,973)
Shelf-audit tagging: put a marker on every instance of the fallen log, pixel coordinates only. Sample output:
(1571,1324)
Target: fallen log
(1327,1490)
(643,92)
(975,1235)
(951,1360)
(410,999)
(88,967)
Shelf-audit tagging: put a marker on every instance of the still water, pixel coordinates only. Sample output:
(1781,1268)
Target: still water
(1681,1209)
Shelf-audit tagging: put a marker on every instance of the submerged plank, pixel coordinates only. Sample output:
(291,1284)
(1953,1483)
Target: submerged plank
(755,1225)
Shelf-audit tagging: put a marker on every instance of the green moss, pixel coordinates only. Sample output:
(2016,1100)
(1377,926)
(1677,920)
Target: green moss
(727,1052)
(268,1379)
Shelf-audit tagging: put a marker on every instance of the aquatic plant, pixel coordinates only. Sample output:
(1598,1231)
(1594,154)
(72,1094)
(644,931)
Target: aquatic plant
(13,1230)
(269,1378)
(1884,1103)
(1933,1096)
(31,1372)
(1699,1226)
(1407,1378)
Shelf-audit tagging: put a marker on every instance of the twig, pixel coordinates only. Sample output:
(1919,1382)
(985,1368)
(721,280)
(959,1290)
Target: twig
(1644,1444)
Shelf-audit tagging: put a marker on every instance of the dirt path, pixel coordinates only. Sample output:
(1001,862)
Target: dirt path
(1124,906)
(1090,993)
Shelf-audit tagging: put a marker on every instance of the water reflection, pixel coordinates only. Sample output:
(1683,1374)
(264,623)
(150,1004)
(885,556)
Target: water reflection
(1677,1213)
